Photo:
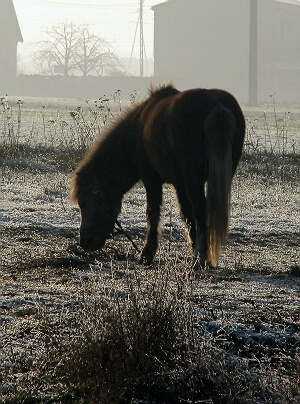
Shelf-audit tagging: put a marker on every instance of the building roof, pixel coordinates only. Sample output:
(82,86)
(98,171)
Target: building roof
(9,25)
(292,2)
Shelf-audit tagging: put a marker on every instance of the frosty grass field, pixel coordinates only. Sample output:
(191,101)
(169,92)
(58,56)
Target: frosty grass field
(100,328)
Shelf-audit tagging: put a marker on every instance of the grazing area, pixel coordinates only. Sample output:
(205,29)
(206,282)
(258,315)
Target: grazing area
(99,327)
(192,140)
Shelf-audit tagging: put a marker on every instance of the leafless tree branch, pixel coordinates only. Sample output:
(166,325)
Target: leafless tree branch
(76,50)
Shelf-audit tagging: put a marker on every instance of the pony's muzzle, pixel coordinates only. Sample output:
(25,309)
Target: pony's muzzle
(91,243)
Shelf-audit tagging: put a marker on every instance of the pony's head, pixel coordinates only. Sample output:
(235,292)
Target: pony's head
(99,210)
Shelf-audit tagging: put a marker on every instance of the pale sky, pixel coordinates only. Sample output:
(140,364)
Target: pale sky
(113,20)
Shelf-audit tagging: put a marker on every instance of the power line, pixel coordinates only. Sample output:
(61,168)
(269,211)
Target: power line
(108,5)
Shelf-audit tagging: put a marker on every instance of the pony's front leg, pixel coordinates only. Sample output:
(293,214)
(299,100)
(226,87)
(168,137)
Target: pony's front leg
(154,200)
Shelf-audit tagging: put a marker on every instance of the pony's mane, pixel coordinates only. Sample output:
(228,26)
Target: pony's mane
(106,137)
(165,90)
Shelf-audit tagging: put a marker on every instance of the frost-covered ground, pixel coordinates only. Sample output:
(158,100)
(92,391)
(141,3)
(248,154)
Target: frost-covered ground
(249,306)
(257,282)
(264,230)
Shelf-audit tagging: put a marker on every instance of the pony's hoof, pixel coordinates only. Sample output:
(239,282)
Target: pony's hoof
(144,260)
(199,263)
(147,255)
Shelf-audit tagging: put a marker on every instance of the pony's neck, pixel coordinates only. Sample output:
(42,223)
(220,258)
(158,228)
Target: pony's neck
(111,161)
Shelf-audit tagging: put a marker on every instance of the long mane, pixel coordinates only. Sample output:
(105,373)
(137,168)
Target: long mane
(106,140)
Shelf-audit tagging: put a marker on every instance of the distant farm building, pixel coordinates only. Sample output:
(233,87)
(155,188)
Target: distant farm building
(249,47)
(10,35)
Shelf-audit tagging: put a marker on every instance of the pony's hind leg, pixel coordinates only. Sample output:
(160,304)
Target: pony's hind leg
(187,214)
(154,201)
(198,203)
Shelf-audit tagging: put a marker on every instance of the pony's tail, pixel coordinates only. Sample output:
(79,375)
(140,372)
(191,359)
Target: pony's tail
(220,127)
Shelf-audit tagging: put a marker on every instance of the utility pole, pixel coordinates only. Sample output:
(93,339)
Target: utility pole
(141,40)
(142,49)
(253,54)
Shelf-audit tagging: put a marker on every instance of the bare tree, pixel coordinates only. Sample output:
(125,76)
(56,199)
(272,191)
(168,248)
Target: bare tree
(58,50)
(93,56)
(74,49)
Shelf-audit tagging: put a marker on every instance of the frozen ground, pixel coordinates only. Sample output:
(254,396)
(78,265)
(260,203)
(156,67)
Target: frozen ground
(249,305)
(38,224)
(264,229)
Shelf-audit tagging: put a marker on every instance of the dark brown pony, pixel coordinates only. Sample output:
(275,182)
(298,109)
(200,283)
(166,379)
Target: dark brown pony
(187,139)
